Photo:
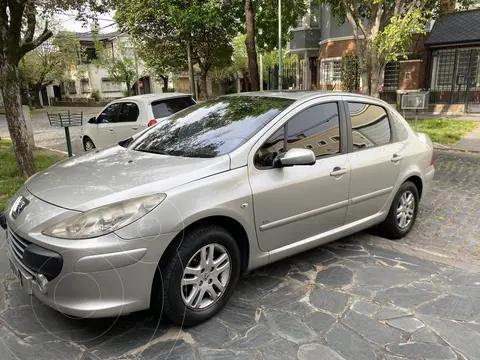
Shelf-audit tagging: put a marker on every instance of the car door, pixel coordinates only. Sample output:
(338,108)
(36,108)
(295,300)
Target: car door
(375,158)
(127,123)
(295,203)
(105,121)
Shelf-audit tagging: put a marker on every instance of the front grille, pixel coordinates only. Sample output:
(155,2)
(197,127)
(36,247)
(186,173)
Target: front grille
(17,247)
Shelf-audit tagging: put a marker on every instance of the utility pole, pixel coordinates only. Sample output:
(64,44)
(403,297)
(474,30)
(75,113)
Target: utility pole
(279,45)
(261,72)
(190,71)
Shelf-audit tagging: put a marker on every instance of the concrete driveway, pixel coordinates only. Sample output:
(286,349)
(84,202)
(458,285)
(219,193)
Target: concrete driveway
(359,298)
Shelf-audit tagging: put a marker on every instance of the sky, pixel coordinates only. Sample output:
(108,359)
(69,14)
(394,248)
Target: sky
(67,22)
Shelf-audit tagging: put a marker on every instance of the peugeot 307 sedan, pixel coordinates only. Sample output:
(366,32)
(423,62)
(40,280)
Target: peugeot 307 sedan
(172,217)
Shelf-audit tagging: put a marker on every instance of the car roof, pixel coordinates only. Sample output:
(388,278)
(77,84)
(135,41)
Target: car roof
(153,97)
(298,94)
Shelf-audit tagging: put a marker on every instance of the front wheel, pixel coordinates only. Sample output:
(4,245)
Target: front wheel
(402,214)
(88,144)
(201,276)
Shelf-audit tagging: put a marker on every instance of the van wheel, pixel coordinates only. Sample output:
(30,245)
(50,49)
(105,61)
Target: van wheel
(201,276)
(402,214)
(88,144)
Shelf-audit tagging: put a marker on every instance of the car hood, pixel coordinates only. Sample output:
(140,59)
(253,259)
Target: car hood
(116,173)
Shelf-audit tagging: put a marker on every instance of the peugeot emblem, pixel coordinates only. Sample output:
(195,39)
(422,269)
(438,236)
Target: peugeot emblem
(19,204)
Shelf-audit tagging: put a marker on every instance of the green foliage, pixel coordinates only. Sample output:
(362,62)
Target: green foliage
(51,61)
(95,95)
(119,61)
(350,76)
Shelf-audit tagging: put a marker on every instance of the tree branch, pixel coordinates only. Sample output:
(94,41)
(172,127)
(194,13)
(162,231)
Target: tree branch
(28,46)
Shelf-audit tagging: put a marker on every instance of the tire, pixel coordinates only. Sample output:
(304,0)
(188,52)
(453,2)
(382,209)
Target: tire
(88,144)
(196,243)
(390,227)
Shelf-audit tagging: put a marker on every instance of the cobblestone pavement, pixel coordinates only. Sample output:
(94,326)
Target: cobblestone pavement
(347,300)
(448,220)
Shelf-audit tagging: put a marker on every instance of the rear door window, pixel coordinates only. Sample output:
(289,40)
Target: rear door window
(164,108)
(370,125)
(128,113)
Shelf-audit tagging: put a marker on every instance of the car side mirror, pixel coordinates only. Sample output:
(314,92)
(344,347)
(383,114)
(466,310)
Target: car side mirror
(92,120)
(295,157)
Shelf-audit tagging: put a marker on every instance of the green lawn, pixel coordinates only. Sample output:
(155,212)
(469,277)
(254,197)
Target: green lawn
(10,180)
(444,131)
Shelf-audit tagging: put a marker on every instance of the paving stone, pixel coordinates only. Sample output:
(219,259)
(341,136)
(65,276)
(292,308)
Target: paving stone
(278,269)
(385,313)
(300,277)
(279,350)
(405,297)
(423,335)
(213,333)
(423,351)
(299,308)
(406,324)
(289,327)
(436,288)
(360,292)
(173,349)
(258,336)
(219,354)
(393,255)
(452,307)
(372,330)
(238,314)
(327,300)
(334,276)
(364,308)
(284,296)
(247,292)
(18,297)
(344,252)
(381,276)
(318,256)
(263,282)
(316,351)
(456,335)
(37,319)
(126,342)
(12,347)
(320,321)
(467,291)
(303,266)
(348,344)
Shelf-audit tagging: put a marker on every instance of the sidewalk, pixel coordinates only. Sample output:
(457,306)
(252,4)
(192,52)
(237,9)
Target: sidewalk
(464,117)
(470,142)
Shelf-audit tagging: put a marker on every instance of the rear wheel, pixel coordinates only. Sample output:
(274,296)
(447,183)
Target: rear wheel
(88,144)
(402,214)
(199,278)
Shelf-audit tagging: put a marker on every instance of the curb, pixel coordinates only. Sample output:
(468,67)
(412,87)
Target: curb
(441,147)
(54,150)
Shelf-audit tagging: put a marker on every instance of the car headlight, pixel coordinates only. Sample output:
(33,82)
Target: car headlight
(105,219)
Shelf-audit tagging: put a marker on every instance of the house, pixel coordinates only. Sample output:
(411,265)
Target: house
(445,61)
(88,77)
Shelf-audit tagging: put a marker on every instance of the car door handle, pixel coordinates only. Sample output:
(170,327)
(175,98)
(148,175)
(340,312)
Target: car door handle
(134,128)
(337,171)
(396,158)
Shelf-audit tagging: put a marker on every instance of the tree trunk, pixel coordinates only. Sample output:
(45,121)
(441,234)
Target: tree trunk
(165,83)
(36,99)
(15,120)
(203,76)
(250,44)
(129,88)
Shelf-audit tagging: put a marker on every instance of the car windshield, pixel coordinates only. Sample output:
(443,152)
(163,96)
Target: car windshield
(211,128)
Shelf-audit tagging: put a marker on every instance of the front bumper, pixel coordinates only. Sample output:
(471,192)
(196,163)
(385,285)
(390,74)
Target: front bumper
(101,277)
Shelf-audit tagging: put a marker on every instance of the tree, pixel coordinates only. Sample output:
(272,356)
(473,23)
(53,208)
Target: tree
(261,27)
(50,62)
(119,62)
(383,31)
(18,20)
(205,26)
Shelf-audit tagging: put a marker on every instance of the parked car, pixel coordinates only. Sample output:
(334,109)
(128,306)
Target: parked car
(125,117)
(172,217)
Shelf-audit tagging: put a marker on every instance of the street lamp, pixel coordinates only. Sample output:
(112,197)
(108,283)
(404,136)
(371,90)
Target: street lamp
(279,45)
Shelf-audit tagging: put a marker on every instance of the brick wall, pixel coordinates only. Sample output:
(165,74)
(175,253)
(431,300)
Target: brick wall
(415,72)
(333,49)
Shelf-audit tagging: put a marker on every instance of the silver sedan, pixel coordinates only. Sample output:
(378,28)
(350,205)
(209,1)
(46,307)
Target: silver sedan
(171,217)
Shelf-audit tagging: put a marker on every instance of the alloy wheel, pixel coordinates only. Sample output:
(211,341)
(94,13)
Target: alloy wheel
(405,209)
(206,276)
